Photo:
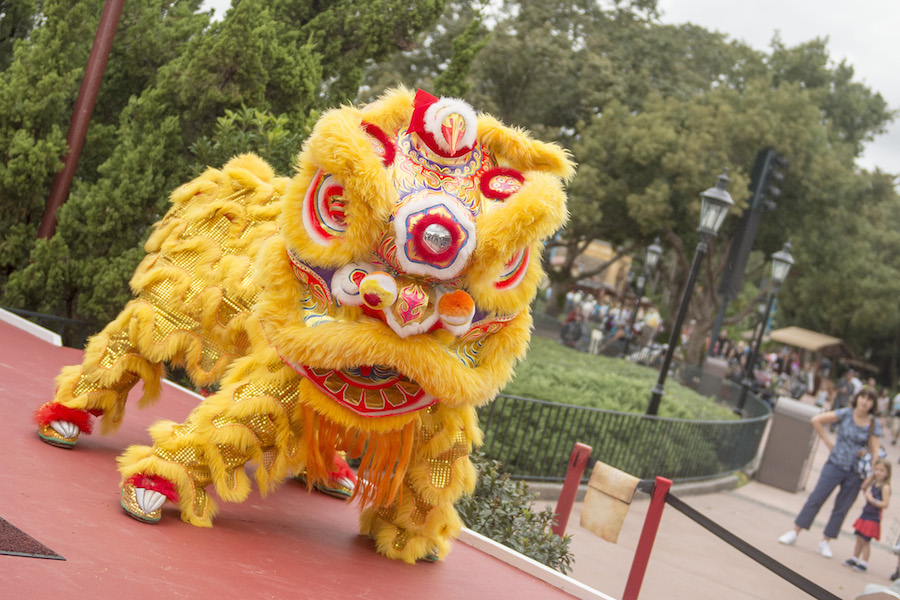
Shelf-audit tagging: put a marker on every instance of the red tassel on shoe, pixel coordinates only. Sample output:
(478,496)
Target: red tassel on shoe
(54,411)
(155,483)
(342,469)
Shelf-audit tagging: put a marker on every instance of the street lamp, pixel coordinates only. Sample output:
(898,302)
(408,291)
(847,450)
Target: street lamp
(782,261)
(654,251)
(714,205)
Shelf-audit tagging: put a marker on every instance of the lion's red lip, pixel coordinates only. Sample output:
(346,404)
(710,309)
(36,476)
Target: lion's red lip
(370,391)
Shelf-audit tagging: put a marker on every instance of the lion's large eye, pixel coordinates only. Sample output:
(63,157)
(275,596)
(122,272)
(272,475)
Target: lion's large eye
(514,270)
(323,208)
(435,234)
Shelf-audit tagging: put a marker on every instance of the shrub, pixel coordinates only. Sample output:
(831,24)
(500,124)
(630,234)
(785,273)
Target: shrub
(503,510)
(556,373)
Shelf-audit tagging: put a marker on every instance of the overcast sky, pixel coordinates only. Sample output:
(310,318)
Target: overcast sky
(860,31)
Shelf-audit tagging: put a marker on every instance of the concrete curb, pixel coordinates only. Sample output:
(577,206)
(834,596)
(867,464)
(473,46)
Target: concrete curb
(549,492)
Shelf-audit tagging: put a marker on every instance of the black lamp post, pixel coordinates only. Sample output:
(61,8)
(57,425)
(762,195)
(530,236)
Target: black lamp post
(654,251)
(782,261)
(715,204)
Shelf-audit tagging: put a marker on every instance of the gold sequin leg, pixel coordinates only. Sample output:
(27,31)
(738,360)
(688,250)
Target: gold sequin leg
(252,417)
(112,365)
(422,522)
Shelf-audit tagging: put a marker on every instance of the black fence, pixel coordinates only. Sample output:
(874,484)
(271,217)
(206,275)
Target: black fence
(74,333)
(533,439)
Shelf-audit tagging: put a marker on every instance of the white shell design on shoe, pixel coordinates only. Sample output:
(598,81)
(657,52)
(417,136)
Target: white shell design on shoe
(65,428)
(148,500)
(344,482)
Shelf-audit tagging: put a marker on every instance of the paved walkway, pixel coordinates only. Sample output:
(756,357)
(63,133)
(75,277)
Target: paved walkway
(689,562)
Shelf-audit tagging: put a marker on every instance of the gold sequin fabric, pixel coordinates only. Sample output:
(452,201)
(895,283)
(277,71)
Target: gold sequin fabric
(194,292)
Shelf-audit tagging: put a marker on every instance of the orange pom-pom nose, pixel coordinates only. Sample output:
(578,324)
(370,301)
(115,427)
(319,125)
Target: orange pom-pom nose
(456,309)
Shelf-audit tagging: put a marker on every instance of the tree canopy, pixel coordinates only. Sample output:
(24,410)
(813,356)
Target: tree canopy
(652,113)
(171,79)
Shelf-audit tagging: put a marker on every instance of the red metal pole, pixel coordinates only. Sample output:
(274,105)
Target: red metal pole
(81,116)
(577,462)
(648,535)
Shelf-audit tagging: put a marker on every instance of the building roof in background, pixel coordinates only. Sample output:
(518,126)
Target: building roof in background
(813,341)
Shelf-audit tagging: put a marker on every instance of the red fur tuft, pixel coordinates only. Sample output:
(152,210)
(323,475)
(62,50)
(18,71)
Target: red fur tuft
(342,469)
(487,176)
(390,150)
(54,411)
(418,232)
(155,483)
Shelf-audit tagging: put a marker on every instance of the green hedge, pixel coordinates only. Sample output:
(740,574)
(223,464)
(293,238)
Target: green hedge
(556,373)
(536,439)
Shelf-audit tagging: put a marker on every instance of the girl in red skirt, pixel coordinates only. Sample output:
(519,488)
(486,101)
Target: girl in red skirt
(877,489)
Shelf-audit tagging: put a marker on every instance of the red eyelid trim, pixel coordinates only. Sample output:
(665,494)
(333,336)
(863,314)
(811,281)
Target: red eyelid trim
(490,174)
(390,150)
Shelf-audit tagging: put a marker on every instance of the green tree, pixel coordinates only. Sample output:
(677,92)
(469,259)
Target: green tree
(285,59)
(268,136)
(440,59)
(17,19)
(37,92)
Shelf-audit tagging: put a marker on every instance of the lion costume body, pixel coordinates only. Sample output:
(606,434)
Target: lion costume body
(367,305)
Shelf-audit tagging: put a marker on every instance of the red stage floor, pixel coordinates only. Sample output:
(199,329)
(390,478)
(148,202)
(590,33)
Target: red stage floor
(292,544)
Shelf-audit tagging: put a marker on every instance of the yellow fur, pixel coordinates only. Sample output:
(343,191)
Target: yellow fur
(230,289)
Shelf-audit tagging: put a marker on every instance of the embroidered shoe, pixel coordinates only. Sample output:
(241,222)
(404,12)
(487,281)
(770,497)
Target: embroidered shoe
(338,488)
(142,504)
(432,556)
(788,538)
(61,434)
(59,425)
(143,496)
(824,549)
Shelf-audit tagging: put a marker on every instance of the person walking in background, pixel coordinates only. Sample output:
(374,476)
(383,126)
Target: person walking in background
(857,430)
(895,418)
(877,490)
(843,391)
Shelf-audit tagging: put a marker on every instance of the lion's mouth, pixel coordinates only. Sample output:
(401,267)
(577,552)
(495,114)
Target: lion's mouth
(370,391)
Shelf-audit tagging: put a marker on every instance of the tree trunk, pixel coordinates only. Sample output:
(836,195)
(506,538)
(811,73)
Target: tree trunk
(555,303)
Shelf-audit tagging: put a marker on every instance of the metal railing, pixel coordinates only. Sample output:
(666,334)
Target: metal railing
(74,333)
(533,440)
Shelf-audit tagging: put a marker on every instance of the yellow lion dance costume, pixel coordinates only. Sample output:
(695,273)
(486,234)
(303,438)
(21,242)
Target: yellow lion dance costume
(367,305)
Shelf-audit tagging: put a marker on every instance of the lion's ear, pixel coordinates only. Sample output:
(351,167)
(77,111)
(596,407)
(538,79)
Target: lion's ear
(530,207)
(516,149)
(339,203)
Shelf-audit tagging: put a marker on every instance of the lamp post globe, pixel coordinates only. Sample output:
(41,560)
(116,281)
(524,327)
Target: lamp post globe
(782,261)
(714,206)
(654,251)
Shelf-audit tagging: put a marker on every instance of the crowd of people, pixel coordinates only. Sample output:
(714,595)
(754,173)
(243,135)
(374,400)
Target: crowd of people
(603,318)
